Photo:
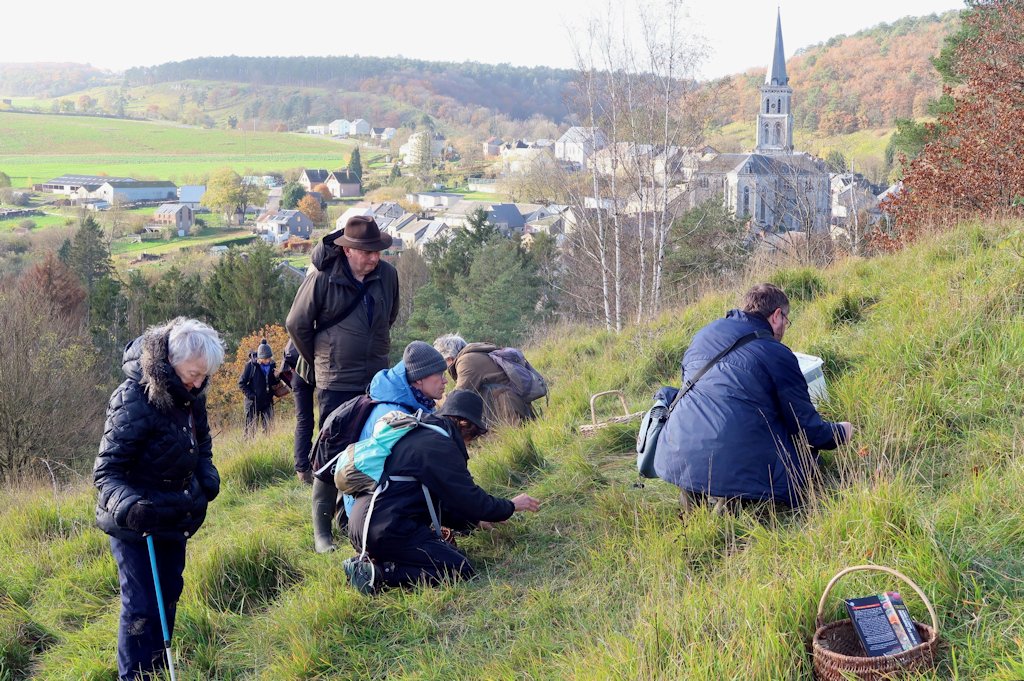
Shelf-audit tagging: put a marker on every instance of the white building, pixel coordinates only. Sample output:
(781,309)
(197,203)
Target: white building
(360,127)
(316,129)
(339,127)
(578,144)
(277,226)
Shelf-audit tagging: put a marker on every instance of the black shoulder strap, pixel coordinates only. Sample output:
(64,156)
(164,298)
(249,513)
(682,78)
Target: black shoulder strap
(344,313)
(741,341)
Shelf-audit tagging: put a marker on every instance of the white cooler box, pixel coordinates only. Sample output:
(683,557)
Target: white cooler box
(811,368)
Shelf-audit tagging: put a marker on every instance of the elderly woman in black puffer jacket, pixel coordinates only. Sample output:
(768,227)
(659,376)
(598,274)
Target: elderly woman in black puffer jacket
(155,475)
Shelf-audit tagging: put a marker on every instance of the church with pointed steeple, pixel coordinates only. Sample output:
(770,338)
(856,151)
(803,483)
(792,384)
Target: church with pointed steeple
(774,187)
(775,117)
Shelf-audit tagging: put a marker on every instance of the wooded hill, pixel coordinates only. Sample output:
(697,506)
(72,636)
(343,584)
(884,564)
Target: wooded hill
(849,83)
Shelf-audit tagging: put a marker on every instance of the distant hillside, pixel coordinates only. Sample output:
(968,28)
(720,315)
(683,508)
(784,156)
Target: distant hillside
(856,82)
(50,79)
(443,89)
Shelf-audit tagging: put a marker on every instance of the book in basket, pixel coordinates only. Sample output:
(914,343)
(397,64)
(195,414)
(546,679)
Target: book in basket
(883,624)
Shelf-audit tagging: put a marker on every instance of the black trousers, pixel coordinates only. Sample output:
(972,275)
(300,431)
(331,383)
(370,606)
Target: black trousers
(254,416)
(303,394)
(424,559)
(332,399)
(140,639)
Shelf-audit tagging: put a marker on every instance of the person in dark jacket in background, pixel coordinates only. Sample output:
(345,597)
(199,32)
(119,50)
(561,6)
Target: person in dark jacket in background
(736,434)
(155,475)
(403,550)
(303,394)
(257,384)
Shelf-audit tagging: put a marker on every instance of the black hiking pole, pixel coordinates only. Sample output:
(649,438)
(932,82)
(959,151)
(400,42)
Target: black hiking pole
(160,605)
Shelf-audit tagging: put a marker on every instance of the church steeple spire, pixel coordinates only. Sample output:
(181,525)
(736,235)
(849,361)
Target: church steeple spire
(777,70)
(775,117)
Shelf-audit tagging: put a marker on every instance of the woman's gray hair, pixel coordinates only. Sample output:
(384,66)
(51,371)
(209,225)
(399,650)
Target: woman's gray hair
(191,339)
(450,345)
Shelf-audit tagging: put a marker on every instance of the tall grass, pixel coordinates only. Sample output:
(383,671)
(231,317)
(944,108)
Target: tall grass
(923,352)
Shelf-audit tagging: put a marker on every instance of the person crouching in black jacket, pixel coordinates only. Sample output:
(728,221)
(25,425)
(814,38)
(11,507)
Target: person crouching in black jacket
(402,548)
(155,476)
(257,383)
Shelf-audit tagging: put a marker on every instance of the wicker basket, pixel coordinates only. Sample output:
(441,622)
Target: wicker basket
(839,655)
(590,428)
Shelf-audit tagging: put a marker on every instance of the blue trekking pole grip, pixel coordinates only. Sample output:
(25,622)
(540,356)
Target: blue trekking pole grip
(160,605)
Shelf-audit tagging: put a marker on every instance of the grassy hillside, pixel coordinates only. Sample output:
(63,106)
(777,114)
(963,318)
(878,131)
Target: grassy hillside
(28,143)
(923,353)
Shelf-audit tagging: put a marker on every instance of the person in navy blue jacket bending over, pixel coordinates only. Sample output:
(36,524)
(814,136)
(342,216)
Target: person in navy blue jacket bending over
(737,434)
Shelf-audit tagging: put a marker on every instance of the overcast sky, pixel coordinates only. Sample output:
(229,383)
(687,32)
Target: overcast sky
(117,34)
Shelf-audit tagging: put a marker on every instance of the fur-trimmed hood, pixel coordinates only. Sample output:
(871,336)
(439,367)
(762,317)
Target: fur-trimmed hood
(145,362)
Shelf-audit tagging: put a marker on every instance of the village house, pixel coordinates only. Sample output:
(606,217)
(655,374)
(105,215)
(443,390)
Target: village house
(434,200)
(177,215)
(339,127)
(492,147)
(316,129)
(578,144)
(505,216)
(311,177)
(383,213)
(360,127)
(521,157)
(277,226)
(343,183)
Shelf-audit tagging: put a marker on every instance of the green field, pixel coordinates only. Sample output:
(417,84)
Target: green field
(923,352)
(164,247)
(148,150)
(42,221)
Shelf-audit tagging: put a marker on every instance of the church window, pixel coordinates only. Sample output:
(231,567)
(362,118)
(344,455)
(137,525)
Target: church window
(778,133)
(765,133)
(780,105)
(766,106)
(746,201)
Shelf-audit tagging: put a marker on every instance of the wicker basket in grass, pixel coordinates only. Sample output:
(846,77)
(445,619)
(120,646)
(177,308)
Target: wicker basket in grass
(589,429)
(839,655)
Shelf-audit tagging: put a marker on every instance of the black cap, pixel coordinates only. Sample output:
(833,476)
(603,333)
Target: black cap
(464,404)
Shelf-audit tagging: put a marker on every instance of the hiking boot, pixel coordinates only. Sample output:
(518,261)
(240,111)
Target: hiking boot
(360,575)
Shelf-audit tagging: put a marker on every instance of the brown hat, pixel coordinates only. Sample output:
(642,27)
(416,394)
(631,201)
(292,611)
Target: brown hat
(362,232)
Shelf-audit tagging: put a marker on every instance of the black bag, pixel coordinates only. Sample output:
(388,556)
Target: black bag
(664,402)
(341,428)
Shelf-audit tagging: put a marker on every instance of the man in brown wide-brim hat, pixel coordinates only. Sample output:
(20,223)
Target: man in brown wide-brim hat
(340,323)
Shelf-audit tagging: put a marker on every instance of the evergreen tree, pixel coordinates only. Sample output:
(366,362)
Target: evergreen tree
(497,300)
(246,293)
(396,173)
(175,294)
(355,163)
(450,259)
(88,255)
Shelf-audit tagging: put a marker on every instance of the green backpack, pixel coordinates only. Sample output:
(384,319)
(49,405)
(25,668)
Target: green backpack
(360,468)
